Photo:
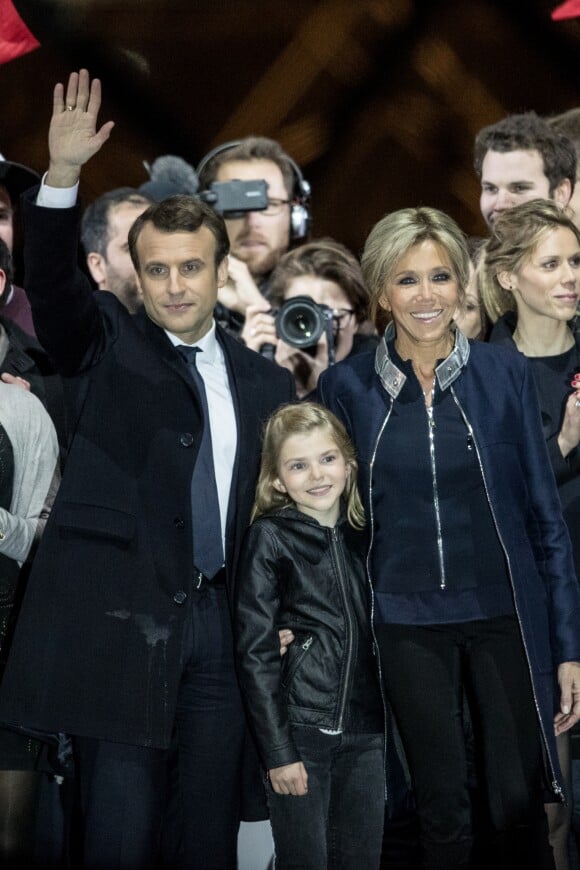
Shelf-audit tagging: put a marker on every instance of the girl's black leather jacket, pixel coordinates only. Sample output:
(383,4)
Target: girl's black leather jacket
(295,573)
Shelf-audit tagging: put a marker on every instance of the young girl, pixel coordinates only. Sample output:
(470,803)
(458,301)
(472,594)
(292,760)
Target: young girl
(316,713)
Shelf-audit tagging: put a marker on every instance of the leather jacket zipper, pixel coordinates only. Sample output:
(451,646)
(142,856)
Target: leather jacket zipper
(299,659)
(339,560)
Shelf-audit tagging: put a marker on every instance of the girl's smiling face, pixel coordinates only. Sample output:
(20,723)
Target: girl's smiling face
(312,471)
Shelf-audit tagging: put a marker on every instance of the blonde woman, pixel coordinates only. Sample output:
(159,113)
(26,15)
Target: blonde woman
(529,278)
(467,545)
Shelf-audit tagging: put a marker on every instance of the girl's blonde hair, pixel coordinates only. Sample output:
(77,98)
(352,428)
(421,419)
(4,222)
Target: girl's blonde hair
(516,234)
(302,419)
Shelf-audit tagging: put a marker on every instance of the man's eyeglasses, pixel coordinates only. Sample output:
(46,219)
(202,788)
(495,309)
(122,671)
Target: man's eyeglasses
(274,207)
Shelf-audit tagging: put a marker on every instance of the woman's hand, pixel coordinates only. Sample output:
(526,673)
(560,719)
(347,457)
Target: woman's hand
(286,638)
(569,436)
(569,682)
(289,779)
(260,327)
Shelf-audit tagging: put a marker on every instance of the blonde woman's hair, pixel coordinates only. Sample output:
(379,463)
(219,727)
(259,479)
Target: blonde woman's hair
(391,238)
(302,419)
(516,234)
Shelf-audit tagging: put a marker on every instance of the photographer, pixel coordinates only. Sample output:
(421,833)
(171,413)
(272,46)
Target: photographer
(259,237)
(329,275)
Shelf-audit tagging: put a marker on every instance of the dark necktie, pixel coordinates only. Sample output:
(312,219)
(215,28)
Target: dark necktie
(205,511)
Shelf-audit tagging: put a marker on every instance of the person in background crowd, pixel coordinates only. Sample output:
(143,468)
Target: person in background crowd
(258,239)
(468,544)
(530,282)
(328,274)
(521,158)
(471,317)
(568,125)
(24,362)
(28,481)
(104,235)
(14,180)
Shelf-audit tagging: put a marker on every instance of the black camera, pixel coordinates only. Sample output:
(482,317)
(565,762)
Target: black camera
(300,322)
(233,199)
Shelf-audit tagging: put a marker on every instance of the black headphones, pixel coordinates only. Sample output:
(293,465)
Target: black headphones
(300,218)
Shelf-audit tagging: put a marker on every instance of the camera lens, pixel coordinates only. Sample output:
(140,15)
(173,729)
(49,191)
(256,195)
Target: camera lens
(300,322)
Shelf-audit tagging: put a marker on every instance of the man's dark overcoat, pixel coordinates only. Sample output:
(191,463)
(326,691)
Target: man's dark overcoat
(97,647)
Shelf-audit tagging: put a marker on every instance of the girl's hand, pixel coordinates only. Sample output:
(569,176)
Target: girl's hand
(286,638)
(289,779)
(570,432)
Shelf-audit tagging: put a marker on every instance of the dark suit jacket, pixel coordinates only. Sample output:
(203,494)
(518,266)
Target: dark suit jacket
(98,642)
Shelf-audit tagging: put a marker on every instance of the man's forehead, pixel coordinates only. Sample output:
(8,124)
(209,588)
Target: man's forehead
(157,243)
(517,165)
(252,170)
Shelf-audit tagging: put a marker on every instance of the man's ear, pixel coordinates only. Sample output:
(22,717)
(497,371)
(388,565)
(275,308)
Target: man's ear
(563,192)
(222,273)
(96,264)
(3,283)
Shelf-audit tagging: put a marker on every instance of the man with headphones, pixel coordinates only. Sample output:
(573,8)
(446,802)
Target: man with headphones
(258,239)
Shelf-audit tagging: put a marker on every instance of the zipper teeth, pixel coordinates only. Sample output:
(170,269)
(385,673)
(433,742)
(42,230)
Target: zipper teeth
(368,573)
(555,784)
(436,508)
(348,615)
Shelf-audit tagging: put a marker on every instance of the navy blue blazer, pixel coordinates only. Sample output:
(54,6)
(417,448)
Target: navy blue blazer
(98,642)
(496,392)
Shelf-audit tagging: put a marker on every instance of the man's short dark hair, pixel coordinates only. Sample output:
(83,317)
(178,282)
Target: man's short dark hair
(568,125)
(95,230)
(248,149)
(181,214)
(529,132)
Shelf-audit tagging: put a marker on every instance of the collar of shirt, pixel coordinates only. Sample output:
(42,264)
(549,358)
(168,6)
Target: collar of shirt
(208,344)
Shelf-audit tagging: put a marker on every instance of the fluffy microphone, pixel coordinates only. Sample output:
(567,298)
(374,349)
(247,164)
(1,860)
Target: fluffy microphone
(169,175)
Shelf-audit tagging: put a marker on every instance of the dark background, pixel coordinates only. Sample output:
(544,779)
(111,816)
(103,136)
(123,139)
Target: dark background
(377,100)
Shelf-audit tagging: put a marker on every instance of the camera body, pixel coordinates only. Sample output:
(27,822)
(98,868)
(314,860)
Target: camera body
(300,322)
(232,199)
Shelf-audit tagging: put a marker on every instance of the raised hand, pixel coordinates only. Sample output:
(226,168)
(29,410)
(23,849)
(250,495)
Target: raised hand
(73,137)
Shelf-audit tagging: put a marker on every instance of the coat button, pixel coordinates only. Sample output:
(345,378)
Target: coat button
(186,439)
(178,523)
(180,597)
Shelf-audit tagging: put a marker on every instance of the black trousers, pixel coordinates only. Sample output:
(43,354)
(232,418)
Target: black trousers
(149,808)
(428,670)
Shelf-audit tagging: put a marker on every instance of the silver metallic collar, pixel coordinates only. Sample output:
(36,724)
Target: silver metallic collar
(446,372)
